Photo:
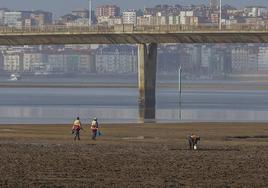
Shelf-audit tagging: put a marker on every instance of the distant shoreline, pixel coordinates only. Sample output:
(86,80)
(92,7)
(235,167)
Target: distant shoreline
(178,125)
(187,86)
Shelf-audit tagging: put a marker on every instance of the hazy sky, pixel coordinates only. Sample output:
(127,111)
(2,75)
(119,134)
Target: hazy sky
(60,7)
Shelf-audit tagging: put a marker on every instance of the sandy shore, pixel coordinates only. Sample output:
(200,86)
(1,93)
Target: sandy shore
(135,155)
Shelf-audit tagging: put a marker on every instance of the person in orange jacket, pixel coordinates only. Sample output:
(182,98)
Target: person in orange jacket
(77,126)
(94,128)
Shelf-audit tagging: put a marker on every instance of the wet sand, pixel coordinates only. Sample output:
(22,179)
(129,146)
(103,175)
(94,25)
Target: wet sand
(135,155)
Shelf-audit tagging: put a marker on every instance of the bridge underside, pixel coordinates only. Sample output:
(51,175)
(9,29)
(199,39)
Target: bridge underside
(133,38)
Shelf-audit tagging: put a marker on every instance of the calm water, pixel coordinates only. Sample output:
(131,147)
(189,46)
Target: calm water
(44,105)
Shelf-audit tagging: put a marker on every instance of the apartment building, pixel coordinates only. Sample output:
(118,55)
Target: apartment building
(116,59)
(108,11)
(129,17)
(33,61)
(13,61)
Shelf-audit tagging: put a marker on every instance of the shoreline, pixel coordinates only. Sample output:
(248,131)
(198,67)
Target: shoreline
(171,124)
(185,86)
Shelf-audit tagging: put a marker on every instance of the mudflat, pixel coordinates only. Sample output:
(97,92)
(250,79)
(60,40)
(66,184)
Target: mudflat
(135,155)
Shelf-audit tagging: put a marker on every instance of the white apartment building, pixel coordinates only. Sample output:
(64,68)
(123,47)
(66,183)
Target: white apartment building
(71,62)
(33,62)
(116,61)
(255,11)
(188,18)
(186,13)
(78,22)
(130,17)
(109,20)
(13,19)
(263,59)
(244,60)
(13,61)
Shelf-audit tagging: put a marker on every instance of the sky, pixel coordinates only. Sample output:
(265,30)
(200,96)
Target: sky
(61,7)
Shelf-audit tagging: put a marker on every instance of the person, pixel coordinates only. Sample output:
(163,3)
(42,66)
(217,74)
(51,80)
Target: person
(94,128)
(77,126)
(192,140)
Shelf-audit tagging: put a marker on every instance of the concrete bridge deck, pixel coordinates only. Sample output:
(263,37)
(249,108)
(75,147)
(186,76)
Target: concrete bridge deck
(128,34)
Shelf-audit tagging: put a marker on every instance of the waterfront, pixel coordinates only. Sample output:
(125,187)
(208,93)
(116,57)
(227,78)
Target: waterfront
(119,105)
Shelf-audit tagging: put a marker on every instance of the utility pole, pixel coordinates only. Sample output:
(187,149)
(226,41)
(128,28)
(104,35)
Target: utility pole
(179,80)
(89,12)
(220,16)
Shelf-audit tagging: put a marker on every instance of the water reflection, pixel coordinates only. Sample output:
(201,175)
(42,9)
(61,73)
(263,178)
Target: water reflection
(146,114)
(22,105)
(65,114)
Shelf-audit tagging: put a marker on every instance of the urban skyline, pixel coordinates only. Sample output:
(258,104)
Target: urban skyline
(58,10)
(198,60)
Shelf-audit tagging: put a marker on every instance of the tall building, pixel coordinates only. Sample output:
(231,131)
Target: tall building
(130,17)
(108,11)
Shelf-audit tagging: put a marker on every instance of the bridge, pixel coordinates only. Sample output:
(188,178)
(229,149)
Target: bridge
(128,34)
(146,37)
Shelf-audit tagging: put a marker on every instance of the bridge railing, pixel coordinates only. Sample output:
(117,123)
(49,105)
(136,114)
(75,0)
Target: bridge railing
(127,28)
(56,29)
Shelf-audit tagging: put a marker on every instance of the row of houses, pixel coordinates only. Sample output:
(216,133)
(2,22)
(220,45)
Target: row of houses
(195,59)
(105,60)
(25,18)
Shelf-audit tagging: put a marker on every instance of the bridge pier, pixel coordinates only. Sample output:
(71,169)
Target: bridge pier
(147,63)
